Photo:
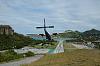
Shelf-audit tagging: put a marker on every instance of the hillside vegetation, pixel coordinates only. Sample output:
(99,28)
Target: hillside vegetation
(86,36)
(14,41)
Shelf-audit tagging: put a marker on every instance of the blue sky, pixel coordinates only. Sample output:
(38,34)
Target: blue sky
(25,15)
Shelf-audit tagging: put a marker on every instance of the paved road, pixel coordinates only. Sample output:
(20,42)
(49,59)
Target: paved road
(23,61)
(59,48)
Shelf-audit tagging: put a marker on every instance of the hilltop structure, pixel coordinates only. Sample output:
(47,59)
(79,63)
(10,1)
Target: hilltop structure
(6,29)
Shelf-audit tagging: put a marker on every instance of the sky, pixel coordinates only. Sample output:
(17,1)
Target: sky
(25,15)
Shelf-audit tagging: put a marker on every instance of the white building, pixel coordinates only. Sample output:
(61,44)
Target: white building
(37,37)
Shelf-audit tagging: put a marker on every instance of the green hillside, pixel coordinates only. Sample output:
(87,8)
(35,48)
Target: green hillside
(14,41)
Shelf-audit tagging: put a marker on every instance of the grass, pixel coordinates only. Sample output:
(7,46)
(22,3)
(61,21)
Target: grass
(77,57)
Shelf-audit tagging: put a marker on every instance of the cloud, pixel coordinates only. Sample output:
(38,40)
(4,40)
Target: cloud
(63,14)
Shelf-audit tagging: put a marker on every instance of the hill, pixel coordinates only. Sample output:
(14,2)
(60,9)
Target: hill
(91,35)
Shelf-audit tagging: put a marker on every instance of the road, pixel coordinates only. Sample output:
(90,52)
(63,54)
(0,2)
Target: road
(23,61)
(59,48)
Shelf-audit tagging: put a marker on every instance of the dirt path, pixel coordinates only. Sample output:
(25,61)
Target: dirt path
(23,61)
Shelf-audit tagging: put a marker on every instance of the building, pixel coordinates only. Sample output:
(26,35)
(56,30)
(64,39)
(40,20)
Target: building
(6,29)
(37,37)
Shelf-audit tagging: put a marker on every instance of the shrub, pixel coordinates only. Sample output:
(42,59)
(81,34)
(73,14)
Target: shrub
(29,53)
(9,55)
(11,52)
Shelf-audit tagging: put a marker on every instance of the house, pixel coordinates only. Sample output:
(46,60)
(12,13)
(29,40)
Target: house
(37,37)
